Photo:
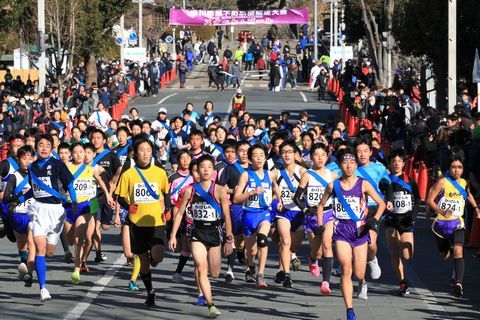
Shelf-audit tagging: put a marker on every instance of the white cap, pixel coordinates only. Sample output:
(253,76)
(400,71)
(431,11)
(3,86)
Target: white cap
(162,110)
(239,90)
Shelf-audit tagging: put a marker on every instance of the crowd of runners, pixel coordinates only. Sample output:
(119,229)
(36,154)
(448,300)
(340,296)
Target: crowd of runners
(190,184)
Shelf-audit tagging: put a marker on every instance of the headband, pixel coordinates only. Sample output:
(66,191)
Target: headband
(347,156)
(17,140)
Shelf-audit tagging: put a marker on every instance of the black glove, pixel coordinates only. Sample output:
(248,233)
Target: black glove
(373,223)
(311,211)
(318,231)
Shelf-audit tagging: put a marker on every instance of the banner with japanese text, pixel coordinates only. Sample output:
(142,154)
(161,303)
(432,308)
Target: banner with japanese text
(228,18)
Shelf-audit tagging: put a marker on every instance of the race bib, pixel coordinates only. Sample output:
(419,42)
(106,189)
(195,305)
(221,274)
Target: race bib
(341,213)
(454,205)
(202,211)
(122,159)
(314,195)
(38,192)
(85,187)
(402,202)
(286,195)
(141,194)
(23,207)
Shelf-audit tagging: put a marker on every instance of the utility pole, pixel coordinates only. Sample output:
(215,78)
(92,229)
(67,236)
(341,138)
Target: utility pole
(140,23)
(452,55)
(41,34)
(315,26)
(122,31)
(331,26)
(342,34)
(335,29)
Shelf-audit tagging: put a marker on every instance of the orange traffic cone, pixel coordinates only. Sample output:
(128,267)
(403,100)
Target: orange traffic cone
(352,126)
(163,82)
(422,181)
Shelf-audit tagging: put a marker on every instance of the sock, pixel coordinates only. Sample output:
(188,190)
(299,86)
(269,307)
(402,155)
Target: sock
(459,269)
(63,238)
(240,255)
(252,269)
(24,256)
(231,259)
(294,255)
(41,268)
(147,281)
(313,260)
(182,261)
(76,270)
(136,268)
(327,266)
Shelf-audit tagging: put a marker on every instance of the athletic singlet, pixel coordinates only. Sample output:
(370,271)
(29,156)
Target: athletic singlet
(316,190)
(252,204)
(377,172)
(22,207)
(286,193)
(451,199)
(402,199)
(201,210)
(85,184)
(354,198)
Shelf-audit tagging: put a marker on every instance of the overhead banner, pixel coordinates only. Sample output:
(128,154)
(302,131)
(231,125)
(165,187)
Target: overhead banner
(231,18)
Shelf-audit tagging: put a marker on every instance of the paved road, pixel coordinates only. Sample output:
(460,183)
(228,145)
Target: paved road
(103,294)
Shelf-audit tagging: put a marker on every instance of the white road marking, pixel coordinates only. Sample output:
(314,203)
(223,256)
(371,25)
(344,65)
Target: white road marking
(92,294)
(167,97)
(303,96)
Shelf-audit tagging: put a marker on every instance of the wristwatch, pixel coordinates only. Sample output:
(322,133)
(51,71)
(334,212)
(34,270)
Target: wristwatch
(229,238)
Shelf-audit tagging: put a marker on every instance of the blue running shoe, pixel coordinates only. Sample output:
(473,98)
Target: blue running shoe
(351,315)
(201,301)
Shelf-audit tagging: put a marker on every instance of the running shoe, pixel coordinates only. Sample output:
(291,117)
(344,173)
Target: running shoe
(375,271)
(84,268)
(314,269)
(132,286)
(2,229)
(100,257)
(214,312)
(68,257)
(351,314)
(28,279)
(177,277)
(458,290)
(287,282)
(362,291)
(337,272)
(261,284)
(241,257)
(150,299)
(325,289)
(76,277)
(296,264)
(229,276)
(280,276)
(404,290)
(201,301)
(249,278)
(22,270)
(44,295)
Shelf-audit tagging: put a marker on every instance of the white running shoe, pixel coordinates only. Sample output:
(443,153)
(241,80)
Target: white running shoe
(177,277)
(22,270)
(229,276)
(375,271)
(44,295)
(362,291)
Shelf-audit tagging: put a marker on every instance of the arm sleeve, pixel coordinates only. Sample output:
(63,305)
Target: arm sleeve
(8,196)
(297,198)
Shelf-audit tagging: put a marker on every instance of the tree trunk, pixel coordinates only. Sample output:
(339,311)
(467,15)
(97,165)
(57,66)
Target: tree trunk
(91,70)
